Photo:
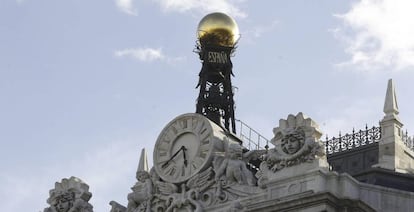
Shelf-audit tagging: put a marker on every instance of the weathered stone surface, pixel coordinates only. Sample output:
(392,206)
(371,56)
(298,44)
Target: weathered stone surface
(294,176)
(232,168)
(197,165)
(70,195)
(393,153)
(297,145)
(320,190)
(142,191)
(116,207)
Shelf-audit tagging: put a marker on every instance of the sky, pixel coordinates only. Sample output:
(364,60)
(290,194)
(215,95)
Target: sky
(85,85)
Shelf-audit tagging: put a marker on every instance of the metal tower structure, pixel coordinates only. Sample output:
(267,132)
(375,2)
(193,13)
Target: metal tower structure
(217,36)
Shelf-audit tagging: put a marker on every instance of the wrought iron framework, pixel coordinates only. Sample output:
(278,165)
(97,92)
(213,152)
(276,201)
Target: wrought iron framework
(352,141)
(215,100)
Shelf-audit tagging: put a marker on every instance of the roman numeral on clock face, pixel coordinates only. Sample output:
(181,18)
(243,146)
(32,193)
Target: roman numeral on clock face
(162,153)
(162,159)
(189,123)
(199,127)
(170,169)
(204,148)
(183,148)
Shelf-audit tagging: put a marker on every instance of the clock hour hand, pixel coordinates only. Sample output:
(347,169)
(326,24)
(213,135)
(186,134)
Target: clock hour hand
(172,157)
(185,158)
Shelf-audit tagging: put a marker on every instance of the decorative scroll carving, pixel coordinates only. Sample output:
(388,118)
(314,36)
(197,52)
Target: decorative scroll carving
(189,200)
(169,197)
(70,195)
(229,181)
(237,207)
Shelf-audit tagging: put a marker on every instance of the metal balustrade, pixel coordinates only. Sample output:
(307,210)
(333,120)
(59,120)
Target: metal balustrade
(354,140)
(252,140)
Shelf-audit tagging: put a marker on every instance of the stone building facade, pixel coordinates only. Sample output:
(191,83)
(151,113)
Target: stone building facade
(200,166)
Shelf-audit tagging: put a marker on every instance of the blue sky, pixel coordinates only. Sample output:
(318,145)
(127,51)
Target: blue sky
(85,85)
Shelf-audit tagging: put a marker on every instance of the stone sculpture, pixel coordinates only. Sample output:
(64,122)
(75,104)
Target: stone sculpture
(296,141)
(190,199)
(232,168)
(237,207)
(116,207)
(233,179)
(70,195)
(142,191)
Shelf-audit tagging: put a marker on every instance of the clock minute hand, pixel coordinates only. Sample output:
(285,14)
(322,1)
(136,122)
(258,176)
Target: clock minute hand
(172,157)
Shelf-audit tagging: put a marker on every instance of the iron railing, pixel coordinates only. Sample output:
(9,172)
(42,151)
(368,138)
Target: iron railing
(255,141)
(354,140)
(408,140)
(251,138)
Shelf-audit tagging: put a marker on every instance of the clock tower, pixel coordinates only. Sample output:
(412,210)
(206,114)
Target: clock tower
(218,34)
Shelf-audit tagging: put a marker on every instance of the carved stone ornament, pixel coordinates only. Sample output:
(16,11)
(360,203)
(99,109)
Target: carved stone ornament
(296,141)
(198,193)
(140,198)
(116,207)
(232,178)
(70,195)
(197,165)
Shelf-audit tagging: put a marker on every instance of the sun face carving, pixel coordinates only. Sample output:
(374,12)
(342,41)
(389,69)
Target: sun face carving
(69,195)
(296,141)
(293,141)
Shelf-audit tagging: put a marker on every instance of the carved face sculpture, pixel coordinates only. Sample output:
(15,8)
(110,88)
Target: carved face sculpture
(64,202)
(291,143)
(142,176)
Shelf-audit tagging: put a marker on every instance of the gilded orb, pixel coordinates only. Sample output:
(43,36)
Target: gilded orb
(218,29)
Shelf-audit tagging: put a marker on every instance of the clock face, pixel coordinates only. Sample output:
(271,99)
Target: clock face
(183,148)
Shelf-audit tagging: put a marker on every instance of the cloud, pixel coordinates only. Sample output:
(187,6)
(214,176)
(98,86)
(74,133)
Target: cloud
(147,55)
(141,54)
(127,6)
(378,34)
(204,6)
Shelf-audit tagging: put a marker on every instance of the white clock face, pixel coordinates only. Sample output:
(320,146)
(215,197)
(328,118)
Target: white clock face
(183,148)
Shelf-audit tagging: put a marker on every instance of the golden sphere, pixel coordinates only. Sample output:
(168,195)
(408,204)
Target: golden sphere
(218,29)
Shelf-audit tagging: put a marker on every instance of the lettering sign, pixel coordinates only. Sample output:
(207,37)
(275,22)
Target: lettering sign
(217,57)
